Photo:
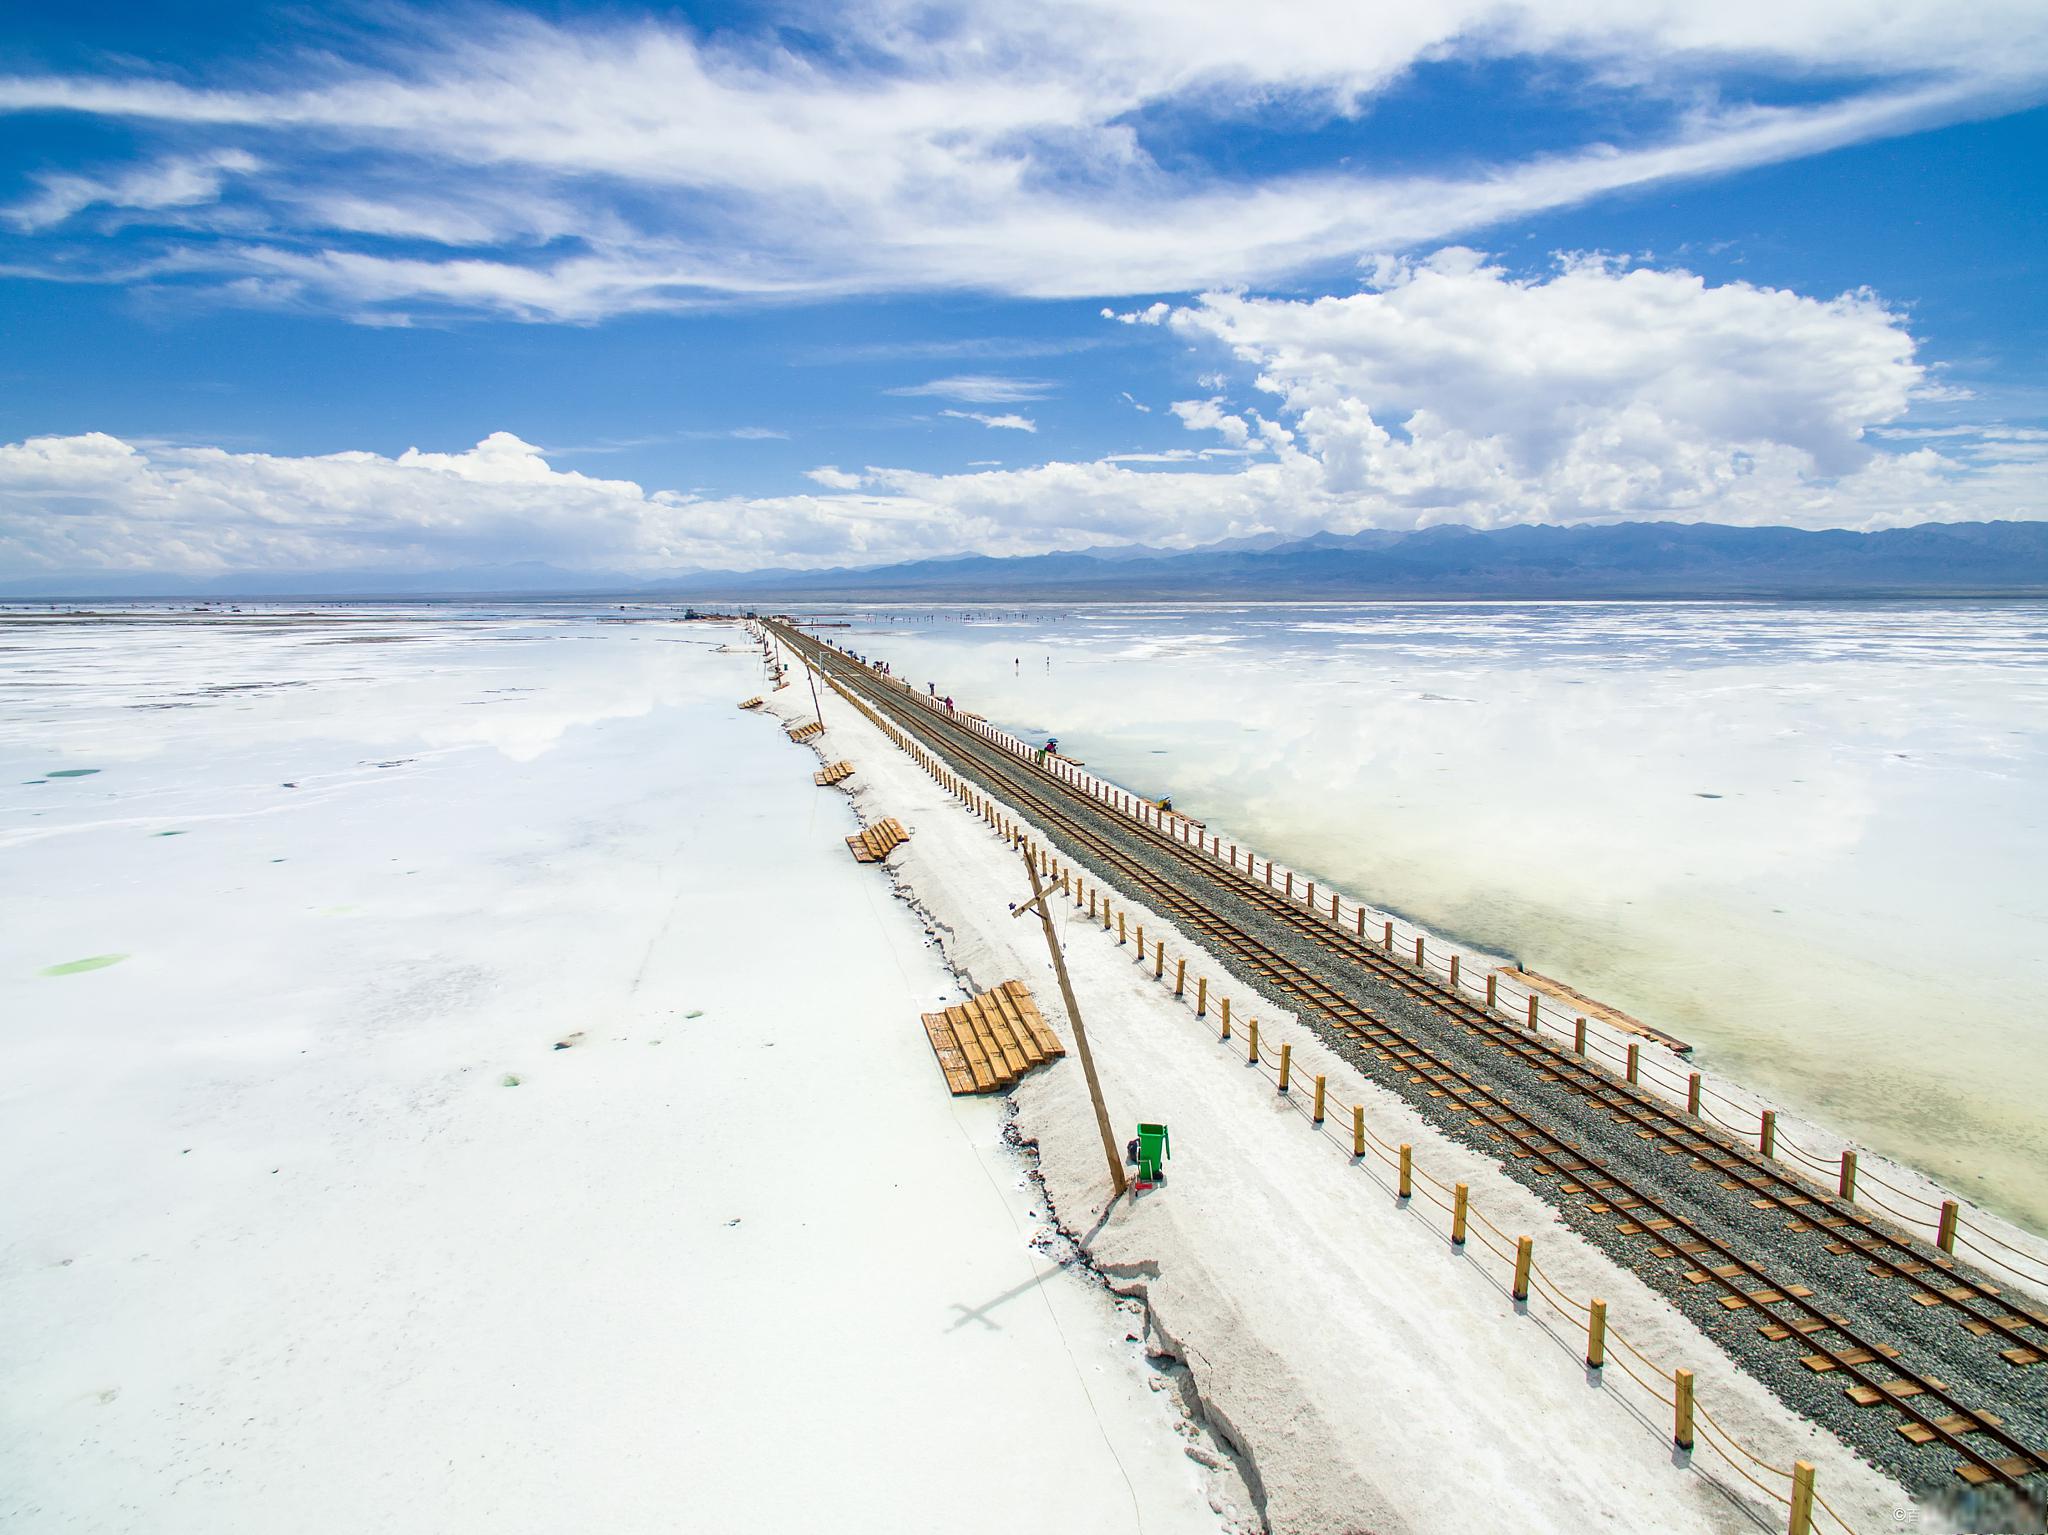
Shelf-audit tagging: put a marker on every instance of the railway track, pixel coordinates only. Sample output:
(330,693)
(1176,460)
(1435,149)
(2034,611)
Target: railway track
(1884,1377)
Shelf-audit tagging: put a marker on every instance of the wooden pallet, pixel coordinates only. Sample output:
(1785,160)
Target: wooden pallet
(987,1042)
(877,841)
(754,703)
(832,773)
(805,731)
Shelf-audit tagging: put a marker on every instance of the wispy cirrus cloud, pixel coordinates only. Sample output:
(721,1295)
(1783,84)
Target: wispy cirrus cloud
(1009,421)
(980,389)
(576,170)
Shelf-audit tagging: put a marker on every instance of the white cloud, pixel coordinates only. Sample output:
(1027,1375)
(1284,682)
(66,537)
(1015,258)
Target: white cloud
(1009,421)
(623,165)
(1601,391)
(981,388)
(176,181)
(93,503)
(1210,416)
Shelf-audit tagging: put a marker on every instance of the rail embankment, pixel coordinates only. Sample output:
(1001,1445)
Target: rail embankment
(1307,1295)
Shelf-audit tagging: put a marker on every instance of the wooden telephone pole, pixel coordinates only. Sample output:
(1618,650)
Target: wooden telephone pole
(1059,969)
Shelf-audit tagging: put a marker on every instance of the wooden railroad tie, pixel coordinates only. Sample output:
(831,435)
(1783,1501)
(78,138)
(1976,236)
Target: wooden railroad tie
(754,703)
(806,730)
(874,843)
(832,773)
(983,1045)
(2012,1465)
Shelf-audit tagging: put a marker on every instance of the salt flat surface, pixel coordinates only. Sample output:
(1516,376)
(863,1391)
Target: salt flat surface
(282,1247)
(1377,1378)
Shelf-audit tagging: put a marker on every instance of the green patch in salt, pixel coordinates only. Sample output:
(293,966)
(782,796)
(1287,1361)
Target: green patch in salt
(71,773)
(698,1014)
(510,1080)
(80,966)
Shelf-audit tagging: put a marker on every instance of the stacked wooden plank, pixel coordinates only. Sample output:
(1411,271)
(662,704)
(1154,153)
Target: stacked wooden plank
(833,772)
(987,1042)
(878,841)
(805,731)
(754,703)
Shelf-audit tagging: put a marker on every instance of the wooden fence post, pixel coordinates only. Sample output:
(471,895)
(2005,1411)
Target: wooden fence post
(1310,898)
(1317,1116)
(1418,953)
(1406,1187)
(1180,977)
(1945,1233)
(1492,992)
(1387,939)
(1579,1037)
(1635,1060)
(1361,921)
(1251,1055)
(1201,995)
(1459,1194)
(1141,943)
(1523,1251)
(1692,1094)
(1226,1017)
(1290,883)
(1358,1129)
(1767,1133)
(1535,1002)
(1286,1065)
(1454,972)
(1800,1520)
(1119,928)
(1681,1409)
(1846,1186)
(1159,960)
(1596,1335)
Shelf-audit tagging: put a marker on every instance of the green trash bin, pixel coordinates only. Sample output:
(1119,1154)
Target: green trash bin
(1153,1150)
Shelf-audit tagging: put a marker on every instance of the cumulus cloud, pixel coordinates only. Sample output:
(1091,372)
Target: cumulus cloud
(1598,391)
(1009,421)
(617,165)
(1451,390)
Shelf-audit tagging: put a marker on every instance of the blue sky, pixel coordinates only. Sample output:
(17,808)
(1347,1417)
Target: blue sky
(630,290)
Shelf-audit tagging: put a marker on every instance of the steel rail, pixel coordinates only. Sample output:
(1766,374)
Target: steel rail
(1351,1017)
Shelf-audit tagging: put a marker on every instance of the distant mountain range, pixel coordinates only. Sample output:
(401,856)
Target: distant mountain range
(1643,560)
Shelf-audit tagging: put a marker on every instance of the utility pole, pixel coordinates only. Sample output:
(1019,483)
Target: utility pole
(812,679)
(1059,968)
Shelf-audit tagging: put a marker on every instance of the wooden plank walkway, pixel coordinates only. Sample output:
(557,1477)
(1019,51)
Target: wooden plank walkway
(805,731)
(1557,991)
(877,841)
(832,773)
(754,703)
(983,1045)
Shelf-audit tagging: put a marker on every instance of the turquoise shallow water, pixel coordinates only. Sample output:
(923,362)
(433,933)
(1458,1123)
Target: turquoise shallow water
(1810,838)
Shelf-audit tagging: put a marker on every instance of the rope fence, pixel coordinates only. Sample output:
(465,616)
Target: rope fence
(1671,1389)
(1944,1222)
